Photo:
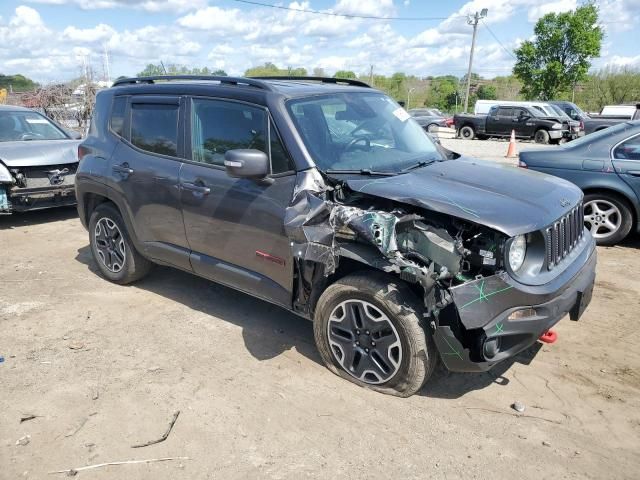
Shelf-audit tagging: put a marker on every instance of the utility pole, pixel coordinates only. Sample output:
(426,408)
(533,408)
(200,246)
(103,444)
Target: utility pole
(473,21)
(371,76)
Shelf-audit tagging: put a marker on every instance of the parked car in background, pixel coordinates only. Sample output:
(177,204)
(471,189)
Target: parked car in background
(364,227)
(590,124)
(606,166)
(431,118)
(527,122)
(431,124)
(38,161)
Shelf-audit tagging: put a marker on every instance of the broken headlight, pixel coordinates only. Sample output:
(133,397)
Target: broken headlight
(517,252)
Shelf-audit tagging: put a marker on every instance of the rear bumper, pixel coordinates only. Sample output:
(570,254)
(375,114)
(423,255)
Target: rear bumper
(505,337)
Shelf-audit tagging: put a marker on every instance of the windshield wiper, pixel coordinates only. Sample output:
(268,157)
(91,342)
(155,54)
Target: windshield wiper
(420,164)
(362,171)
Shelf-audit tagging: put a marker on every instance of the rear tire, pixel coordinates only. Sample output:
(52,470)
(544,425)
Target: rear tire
(608,217)
(368,307)
(541,136)
(112,248)
(467,132)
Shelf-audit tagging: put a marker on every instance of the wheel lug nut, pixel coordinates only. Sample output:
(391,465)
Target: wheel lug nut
(357,332)
(373,344)
(357,343)
(367,332)
(366,350)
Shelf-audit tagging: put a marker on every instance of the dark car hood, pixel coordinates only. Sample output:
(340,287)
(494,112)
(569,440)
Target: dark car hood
(502,197)
(35,153)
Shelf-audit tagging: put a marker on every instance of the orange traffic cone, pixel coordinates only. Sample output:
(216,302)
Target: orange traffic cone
(512,152)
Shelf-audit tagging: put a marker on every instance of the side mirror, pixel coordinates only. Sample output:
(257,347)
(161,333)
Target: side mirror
(246,163)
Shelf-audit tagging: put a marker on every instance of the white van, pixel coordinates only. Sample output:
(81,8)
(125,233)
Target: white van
(482,107)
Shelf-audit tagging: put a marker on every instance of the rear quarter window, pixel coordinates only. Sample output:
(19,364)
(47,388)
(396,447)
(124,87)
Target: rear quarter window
(116,121)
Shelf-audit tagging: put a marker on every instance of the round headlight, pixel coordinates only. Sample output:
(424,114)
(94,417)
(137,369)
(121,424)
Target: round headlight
(517,252)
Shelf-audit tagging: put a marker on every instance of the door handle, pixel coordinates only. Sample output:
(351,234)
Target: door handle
(196,188)
(123,168)
(635,173)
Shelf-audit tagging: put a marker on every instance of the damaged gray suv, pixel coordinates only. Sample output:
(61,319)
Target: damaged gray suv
(325,197)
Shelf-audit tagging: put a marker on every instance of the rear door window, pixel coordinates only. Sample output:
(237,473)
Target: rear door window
(154,127)
(505,111)
(629,149)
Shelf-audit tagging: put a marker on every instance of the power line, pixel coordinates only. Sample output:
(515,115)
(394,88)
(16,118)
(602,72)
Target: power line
(347,15)
(499,42)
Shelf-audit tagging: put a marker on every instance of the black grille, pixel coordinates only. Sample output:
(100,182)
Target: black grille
(562,237)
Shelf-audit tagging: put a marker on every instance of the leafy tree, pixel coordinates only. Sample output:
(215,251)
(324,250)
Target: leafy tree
(271,70)
(487,92)
(560,54)
(319,72)
(173,69)
(609,86)
(345,74)
(17,83)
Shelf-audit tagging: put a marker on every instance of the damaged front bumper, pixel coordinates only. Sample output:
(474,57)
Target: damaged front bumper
(500,317)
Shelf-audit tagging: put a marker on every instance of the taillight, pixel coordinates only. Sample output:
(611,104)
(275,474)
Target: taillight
(521,164)
(82,151)
(581,125)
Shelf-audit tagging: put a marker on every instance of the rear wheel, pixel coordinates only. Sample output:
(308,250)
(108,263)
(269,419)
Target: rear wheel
(432,128)
(368,330)
(541,136)
(467,132)
(607,217)
(112,248)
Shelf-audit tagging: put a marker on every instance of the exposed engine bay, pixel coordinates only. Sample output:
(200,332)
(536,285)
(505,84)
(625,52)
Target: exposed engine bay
(438,254)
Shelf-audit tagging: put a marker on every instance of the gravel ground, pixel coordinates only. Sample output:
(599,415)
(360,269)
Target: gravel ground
(104,367)
(492,149)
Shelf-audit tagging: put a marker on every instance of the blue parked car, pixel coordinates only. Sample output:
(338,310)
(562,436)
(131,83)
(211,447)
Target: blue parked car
(606,166)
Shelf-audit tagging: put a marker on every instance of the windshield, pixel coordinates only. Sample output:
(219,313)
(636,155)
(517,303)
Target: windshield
(25,125)
(560,112)
(361,131)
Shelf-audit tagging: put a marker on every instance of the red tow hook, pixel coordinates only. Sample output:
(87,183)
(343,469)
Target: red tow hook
(550,336)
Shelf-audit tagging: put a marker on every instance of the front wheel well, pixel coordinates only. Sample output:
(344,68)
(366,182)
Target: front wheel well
(348,266)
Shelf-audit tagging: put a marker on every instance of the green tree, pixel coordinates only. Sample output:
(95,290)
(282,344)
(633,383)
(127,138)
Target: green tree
(345,74)
(271,70)
(609,86)
(560,54)
(219,73)
(17,83)
(487,92)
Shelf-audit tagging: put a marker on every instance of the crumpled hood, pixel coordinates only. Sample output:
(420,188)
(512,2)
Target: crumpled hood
(34,153)
(508,199)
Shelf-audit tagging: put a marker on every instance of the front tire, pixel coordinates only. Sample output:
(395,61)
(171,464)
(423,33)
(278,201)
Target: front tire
(608,217)
(541,136)
(112,248)
(368,330)
(467,132)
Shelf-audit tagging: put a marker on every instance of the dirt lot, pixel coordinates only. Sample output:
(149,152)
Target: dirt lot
(105,367)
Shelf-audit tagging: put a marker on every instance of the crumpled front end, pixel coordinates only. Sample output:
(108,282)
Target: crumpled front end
(477,312)
(24,188)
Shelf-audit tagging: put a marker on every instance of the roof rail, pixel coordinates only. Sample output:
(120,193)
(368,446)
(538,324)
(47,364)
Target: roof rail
(223,80)
(336,81)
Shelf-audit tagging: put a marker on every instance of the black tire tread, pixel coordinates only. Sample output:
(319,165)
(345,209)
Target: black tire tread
(136,265)
(398,300)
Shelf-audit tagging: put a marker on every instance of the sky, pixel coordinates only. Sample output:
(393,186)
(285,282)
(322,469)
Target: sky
(50,40)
